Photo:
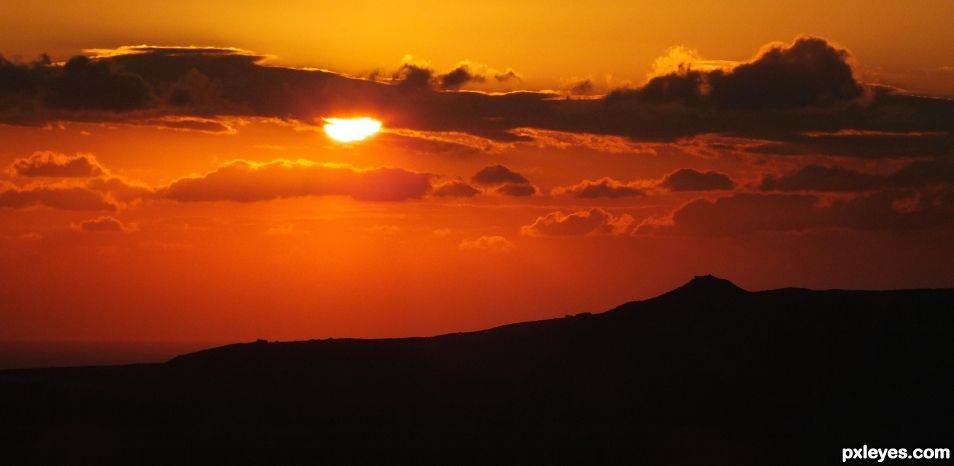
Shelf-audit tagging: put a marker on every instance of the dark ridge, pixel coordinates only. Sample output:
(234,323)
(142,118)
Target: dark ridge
(706,374)
(706,288)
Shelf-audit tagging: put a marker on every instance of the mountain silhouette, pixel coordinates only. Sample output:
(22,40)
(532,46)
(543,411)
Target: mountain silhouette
(708,373)
(706,287)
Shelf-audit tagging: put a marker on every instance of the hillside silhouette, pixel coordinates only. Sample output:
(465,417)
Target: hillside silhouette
(708,373)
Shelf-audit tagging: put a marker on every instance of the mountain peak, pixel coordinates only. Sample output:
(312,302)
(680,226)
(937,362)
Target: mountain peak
(709,284)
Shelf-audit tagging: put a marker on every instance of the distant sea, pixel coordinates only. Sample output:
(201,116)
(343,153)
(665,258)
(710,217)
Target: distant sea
(20,354)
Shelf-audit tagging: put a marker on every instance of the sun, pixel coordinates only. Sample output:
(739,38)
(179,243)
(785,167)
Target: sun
(351,129)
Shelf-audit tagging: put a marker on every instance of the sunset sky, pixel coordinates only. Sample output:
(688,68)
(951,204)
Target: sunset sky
(166,173)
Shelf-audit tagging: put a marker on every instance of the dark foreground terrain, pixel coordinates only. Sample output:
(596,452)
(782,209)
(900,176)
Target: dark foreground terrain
(706,374)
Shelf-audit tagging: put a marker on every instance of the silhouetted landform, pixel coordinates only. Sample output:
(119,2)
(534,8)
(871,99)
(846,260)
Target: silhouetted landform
(706,374)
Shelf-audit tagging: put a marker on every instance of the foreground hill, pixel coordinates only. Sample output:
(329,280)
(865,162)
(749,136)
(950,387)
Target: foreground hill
(705,374)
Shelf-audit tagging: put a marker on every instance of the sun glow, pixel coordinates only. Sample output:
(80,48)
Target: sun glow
(351,129)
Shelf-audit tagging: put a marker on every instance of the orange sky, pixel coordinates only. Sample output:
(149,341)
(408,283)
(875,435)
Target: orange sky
(191,195)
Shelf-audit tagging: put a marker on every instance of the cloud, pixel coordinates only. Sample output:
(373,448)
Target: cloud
(507,75)
(119,190)
(506,181)
(57,165)
(741,213)
(681,59)
(562,140)
(829,178)
(104,193)
(99,85)
(184,50)
(594,221)
(420,76)
(416,76)
(822,178)
(199,125)
(809,72)
(487,243)
(938,171)
(238,181)
(584,87)
(781,95)
(22,78)
(867,144)
(498,174)
(516,189)
(602,188)
(66,182)
(458,77)
(244,181)
(456,144)
(746,213)
(455,188)
(105,224)
(687,179)
(56,197)
(413,76)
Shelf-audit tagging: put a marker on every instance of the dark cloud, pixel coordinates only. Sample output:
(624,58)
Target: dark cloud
(584,87)
(516,189)
(894,209)
(35,92)
(498,174)
(243,181)
(22,78)
(594,221)
(822,178)
(458,77)
(782,95)
(687,179)
(418,77)
(414,77)
(746,213)
(938,171)
(455,188)
(859,144)
(810,72)
(602,188)
(839,179)
(886,111)
(104,224)
(97,85)
(506,181)
(54,164)
(509,75)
